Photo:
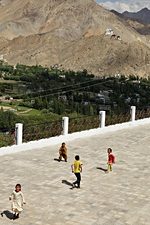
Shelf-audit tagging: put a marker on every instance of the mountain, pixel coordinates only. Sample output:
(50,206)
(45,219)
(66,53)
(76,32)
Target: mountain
(139,21)
(142,16)
(71,33)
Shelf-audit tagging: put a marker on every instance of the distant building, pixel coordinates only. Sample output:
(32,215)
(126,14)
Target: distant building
(128,100)
(15,67)
(62,76)
(136,81)
(2,58)
(109,32)
(63,98)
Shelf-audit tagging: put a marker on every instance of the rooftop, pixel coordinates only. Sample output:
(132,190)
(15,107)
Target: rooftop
(121,197)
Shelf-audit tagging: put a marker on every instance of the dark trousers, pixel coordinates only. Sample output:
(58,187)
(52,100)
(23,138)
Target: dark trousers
(78,176)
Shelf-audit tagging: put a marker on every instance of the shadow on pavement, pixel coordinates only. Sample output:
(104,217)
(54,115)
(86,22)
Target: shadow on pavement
(67,182)
(100,168)
(56,159)
(8,214)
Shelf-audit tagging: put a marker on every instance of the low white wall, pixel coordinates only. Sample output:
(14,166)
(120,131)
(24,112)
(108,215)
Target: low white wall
(70,137)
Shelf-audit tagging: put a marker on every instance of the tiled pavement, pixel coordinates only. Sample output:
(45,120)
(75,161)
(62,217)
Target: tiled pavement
(118,198)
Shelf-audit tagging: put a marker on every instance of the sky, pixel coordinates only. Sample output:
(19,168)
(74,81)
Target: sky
(125,5)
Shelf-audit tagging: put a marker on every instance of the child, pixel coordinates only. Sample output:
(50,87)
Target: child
(17,201)
(111,159)
(77,169)
(63,152)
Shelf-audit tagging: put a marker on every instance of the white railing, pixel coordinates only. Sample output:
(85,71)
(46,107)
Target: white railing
(56,140)
(65,124)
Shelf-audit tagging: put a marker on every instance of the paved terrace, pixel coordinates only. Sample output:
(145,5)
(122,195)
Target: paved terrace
(118,198)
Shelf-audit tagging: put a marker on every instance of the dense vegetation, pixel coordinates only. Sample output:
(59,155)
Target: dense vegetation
(53,92)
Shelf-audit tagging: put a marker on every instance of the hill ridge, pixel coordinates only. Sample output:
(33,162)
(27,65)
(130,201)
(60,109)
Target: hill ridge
(66,32)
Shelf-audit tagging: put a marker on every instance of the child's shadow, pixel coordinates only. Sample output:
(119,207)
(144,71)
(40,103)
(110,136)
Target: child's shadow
(67,182)
(100,168)
(8,214)
(58,160)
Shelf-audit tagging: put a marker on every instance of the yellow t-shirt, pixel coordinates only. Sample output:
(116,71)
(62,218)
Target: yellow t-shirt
(77,166)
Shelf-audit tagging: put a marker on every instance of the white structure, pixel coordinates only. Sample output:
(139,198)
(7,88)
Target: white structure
(15,67)
(65,125)
(69,137)
(2,57)
(109,32)
(102,116)
(133,111)
(18,133)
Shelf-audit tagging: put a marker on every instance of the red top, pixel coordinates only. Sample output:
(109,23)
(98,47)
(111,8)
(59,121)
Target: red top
(111,158)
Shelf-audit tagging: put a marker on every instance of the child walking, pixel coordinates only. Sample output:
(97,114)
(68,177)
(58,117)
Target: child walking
(17,201)
(77,169)
(111,159)
(63,152)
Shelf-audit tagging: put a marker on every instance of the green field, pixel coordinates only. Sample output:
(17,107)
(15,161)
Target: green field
(8,81)
(19,110)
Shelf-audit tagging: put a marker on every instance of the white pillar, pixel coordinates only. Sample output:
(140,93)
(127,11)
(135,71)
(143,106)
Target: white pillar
(18,133)
(65,125)
(102,116)
(133,111)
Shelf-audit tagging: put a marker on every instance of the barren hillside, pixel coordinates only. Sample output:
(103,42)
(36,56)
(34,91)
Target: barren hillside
(71,33)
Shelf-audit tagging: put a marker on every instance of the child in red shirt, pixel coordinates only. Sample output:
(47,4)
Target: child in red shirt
(111,159)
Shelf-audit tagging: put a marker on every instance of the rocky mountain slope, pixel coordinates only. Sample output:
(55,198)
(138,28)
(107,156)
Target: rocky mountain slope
(142,16)
(140,21)
(71,33)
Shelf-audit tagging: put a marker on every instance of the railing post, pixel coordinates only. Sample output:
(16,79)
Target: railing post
(65,125)
(133,111)
(18,133)
(102,116)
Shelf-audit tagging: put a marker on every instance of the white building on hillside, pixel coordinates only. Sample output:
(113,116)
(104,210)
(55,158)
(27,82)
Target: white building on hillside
(109,32)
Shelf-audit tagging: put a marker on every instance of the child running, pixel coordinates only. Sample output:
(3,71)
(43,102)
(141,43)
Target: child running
(17,201)
(77,169)
(111,160)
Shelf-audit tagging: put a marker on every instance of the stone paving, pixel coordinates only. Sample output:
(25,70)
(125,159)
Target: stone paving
(121,197)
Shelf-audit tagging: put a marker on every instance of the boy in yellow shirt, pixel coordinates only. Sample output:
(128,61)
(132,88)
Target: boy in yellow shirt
(77,169)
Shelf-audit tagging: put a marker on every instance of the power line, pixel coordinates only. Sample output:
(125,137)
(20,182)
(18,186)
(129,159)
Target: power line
(71,90)
(51,89)
(58,88)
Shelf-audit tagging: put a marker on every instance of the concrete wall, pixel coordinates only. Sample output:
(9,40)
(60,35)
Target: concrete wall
(70,137)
